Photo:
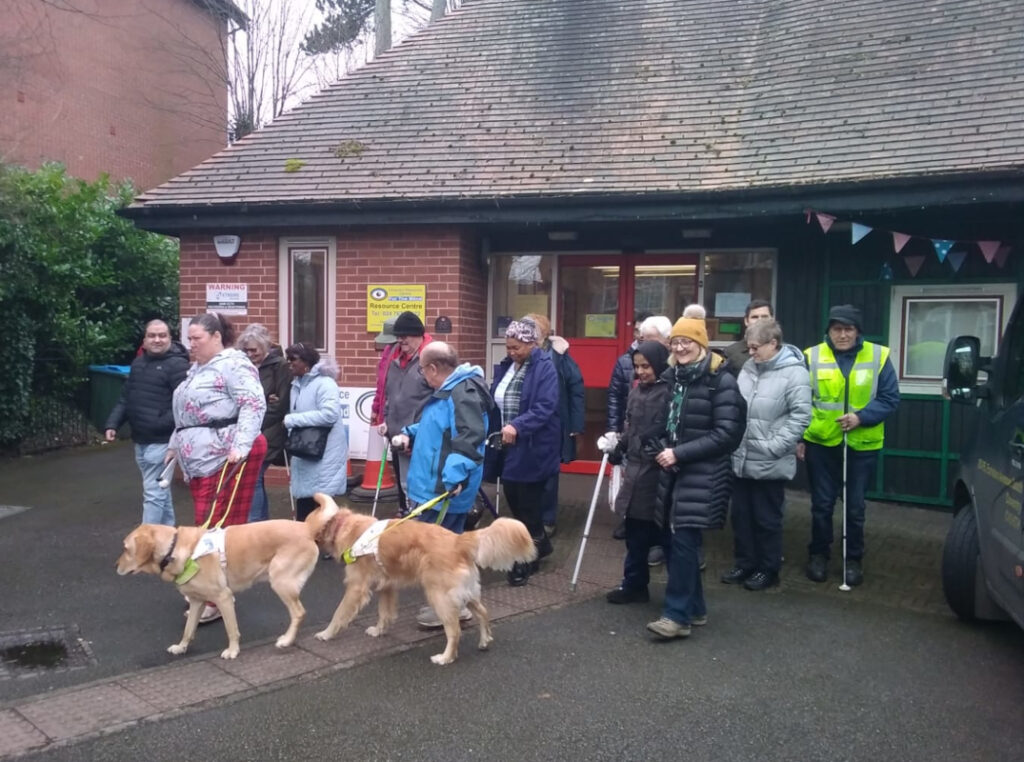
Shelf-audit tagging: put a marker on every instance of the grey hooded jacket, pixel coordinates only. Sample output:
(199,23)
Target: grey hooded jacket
(778,395)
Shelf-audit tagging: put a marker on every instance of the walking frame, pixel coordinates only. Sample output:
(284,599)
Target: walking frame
(590,519)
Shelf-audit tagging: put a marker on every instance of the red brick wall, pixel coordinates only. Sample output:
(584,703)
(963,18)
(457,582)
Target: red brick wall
(133,89)
(445,260)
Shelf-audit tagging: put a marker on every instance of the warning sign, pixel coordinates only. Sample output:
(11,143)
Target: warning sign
(227,298)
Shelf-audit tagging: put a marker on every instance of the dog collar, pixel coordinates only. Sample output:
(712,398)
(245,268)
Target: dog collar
(170,551)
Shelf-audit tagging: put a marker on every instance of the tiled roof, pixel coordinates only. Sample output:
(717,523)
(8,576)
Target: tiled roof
(562,98)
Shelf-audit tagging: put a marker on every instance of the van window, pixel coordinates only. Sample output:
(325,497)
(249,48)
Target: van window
(1013,377)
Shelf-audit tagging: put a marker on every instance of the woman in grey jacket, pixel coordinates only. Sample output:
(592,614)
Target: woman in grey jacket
(777,388)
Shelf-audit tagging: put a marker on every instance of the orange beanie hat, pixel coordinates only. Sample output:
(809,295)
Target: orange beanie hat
(691,328)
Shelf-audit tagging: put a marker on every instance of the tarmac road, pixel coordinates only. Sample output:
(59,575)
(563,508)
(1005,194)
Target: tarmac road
(884,672)
(771,677)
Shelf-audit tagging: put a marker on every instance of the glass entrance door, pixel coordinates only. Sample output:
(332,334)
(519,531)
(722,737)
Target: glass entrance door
(599,300)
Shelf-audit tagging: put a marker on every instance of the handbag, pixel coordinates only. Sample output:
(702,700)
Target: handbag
(307,442)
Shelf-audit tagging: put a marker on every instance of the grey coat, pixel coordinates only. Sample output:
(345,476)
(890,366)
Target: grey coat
(406,392)
(316,401)
(778,395)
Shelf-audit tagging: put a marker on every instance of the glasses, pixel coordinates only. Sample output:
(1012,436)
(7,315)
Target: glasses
(682,343)
(251,350)
(753,347)
(292,359)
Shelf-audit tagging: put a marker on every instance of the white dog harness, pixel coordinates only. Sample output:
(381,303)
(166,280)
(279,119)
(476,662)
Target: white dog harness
(367,543)
(212,541)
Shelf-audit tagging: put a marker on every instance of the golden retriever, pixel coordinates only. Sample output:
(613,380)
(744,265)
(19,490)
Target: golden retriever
(443,563)
(281,551)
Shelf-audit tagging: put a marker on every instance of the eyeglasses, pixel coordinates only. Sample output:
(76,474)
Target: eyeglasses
(292,359)
(753,347)
(251,350)
(682,343)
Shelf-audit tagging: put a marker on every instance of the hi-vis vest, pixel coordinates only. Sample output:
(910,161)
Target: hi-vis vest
(829,395)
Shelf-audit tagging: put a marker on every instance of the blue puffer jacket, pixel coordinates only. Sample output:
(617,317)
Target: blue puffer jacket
(448,439)
(536,454)
(316,401)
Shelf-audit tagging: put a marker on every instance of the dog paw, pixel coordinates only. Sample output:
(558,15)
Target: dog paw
(441,659)
(229,653)
(374,631)
(177,649)
(284,641)
(485,644)
(323,635)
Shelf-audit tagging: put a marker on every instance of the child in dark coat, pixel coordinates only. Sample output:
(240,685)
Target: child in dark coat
(646,416)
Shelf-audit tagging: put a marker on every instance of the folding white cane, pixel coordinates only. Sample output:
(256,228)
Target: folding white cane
(288,471)
(844,587)
(590,519)
(166,474)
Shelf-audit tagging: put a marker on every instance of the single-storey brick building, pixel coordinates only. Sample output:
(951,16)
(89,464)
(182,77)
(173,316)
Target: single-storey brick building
(594,158)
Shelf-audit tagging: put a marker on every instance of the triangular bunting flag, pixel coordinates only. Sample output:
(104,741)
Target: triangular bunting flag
(914,264)
(988,249)
(825,220)
(956,259)
(899,240)
(1001,256)
(858,231)
(942,248)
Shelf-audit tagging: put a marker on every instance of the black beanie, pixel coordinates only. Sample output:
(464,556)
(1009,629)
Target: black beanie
(408,324)
(656,354)
(846,314)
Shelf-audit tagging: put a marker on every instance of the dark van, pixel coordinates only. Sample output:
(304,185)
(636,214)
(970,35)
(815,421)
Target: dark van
(983,558)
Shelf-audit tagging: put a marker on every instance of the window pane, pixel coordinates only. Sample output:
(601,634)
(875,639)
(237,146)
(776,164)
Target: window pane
(929,325)
(590,301)
(731,281)
(664,289)
(522,284)
(309,296)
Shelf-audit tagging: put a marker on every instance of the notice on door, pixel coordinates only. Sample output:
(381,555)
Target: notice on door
(227,298)
(598,326)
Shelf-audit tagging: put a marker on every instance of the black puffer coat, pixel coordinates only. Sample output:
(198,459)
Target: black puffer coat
(696,493)
(146,396)
(618,389)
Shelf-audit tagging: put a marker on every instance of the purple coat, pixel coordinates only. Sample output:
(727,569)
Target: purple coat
(536,455)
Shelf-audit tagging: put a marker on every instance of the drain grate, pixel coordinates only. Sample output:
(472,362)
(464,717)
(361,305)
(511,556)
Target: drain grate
(26,653)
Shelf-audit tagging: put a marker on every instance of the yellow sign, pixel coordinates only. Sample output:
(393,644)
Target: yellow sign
(383,302)
(598,326)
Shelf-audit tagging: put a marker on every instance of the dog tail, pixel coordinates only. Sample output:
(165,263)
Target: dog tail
(501,544)
(318,519)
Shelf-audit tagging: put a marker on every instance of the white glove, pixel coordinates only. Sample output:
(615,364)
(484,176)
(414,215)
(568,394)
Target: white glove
(608,442)
(399,442)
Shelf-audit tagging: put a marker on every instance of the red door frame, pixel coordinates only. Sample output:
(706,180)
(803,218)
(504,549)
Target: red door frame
(624,321)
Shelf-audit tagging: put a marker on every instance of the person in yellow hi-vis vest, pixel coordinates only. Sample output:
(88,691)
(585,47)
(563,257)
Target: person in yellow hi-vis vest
(854,389)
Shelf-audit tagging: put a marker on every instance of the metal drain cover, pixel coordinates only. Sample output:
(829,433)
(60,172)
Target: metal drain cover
(26,653)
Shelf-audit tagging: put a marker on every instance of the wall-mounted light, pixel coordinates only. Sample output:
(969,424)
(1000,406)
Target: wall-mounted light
(563,235)
(226,245)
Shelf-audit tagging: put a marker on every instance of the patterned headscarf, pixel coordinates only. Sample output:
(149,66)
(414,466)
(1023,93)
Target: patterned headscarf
(522,330)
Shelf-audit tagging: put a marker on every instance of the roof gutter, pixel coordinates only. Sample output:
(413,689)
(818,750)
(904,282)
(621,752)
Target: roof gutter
(842,199)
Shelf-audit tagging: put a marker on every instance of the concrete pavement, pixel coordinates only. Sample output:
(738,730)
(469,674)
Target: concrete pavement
(59,577)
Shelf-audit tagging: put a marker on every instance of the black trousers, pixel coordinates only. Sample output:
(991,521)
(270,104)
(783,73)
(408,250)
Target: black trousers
(524,498)
(757,507)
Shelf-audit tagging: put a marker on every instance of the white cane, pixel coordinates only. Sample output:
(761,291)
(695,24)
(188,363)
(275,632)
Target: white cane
(497,496)
(166,474)
(590,519)
(288,471)
(844,587)
(380,475)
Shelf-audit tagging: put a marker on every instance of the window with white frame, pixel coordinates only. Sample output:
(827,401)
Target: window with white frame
(307,270)
(923,320)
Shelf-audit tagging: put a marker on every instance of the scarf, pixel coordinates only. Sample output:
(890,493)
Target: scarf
(513,392)
(683,376)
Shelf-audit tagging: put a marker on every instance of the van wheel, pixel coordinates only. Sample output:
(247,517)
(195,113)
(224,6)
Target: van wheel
(961,564)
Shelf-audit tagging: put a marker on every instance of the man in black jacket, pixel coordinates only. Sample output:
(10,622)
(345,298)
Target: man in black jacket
(146,404)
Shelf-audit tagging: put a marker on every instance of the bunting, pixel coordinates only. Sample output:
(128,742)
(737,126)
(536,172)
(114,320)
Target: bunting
(994,252)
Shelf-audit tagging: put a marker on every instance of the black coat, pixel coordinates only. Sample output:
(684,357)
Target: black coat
(146,396)
(646,411)
(618,389)
(276,379)
(695,494)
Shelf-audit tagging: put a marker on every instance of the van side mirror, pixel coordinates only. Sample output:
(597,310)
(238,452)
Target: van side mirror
(963,360)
